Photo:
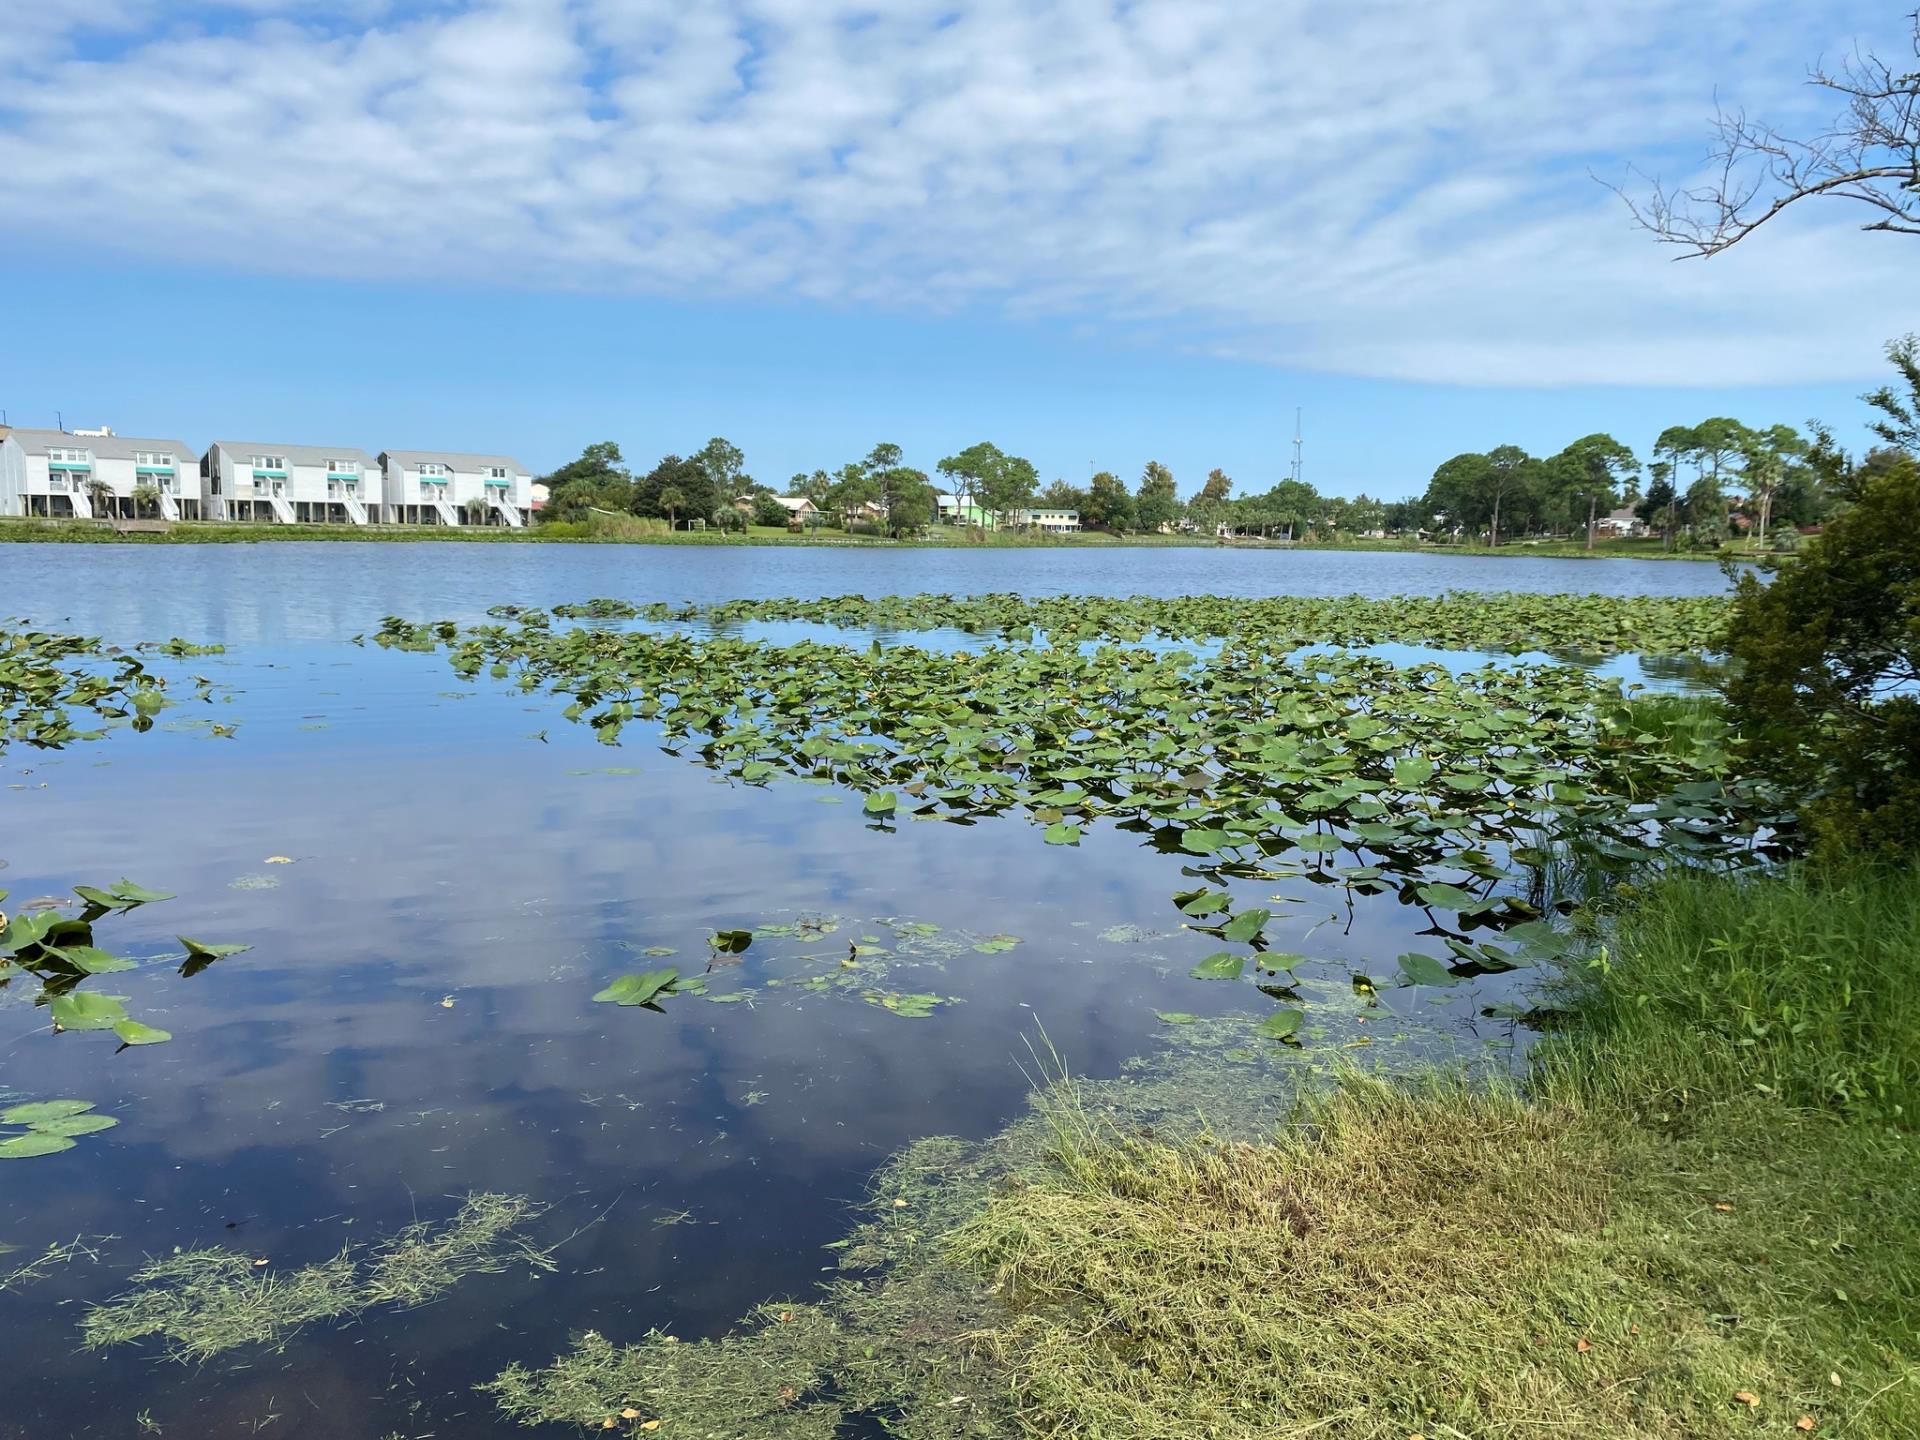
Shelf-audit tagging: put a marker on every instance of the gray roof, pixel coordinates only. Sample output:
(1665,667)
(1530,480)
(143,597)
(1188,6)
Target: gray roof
(103,447)
(295,454)
(456,459)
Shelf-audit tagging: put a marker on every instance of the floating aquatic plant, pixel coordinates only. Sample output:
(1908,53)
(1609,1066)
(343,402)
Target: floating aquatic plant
(1467,620)
(60,952)
(46,1127)
(1256,763)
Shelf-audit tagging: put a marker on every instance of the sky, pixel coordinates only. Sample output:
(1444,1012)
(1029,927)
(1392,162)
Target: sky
(1095,233)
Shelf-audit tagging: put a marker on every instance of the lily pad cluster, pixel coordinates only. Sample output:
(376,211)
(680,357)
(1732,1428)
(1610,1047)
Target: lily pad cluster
(60,952)
(1438,789)
(46,1127)
(863,960)
(49,682)
(1467,620)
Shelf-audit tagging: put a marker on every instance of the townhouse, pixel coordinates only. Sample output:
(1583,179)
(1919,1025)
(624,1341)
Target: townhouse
(84,475)
(445,487)
(291,484)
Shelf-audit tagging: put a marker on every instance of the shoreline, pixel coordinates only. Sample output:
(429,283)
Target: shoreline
(41,532)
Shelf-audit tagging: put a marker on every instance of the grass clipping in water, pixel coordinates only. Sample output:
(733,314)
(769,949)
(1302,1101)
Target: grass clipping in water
(202,1303)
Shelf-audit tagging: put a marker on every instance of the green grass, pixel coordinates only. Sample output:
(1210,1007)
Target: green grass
(1793,987)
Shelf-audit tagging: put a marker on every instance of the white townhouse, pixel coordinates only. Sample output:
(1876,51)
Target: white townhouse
(1048,518)
(442,487)
(291,484)
(67,475)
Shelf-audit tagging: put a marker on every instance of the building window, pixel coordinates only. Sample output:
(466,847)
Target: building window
(343,468)
(269,462)
(433,470)
(66,457)
(496,472)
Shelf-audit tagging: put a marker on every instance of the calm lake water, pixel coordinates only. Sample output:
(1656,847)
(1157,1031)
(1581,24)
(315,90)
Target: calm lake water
(414,1020)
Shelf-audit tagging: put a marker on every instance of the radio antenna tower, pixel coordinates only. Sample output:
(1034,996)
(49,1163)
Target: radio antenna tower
(1296,444)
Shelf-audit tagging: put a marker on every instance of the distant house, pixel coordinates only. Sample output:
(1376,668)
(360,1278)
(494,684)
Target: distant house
(1053,519)
(1621,522)
(953,510)
(80,475)
(800,510)
(540,495)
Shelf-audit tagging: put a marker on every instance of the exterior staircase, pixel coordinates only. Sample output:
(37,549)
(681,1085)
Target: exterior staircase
(82,506)
(356,512)
(509,513)
(448,515)
(169,507)
(282,509)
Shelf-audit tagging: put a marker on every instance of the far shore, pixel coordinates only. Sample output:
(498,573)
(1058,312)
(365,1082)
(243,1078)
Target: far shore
(16,531)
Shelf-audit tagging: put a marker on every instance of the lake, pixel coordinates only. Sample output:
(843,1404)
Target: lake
(435,877)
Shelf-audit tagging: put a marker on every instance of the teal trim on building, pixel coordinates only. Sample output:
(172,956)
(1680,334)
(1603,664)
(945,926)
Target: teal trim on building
(269,474)
(155,470)
(353,479)
(501,484)
(77,465)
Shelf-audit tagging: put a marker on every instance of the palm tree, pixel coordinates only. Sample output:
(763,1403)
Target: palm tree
(100,493)
(672,497)
(146,499)
(476,511)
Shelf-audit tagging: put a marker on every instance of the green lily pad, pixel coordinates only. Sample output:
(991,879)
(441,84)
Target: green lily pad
(1223,966)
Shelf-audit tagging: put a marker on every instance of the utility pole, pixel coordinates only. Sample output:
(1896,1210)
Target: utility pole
(1296,444)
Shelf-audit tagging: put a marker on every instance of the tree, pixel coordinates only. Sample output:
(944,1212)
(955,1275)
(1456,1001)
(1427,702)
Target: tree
(146,499)
(476,509)
(1218,488)
(1458,490)
(1156,501)
(1825,688)
(907,496)
(673,500)
(596,480)
(1767,458)
(1899,424)
(999,482)
(1866,155)
(1660,507)
(768,511)
(725,468)
(1108,506)
(1059,495)
(1509,479)
(688,476)
(853,486)
(1591,472)
(966,473)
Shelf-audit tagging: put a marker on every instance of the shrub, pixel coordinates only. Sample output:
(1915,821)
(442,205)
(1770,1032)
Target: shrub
(1826,681)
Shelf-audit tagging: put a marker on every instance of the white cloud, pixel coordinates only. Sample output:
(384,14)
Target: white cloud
(1372,188)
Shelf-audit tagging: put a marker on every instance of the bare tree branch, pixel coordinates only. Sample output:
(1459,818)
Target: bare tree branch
(1870,155)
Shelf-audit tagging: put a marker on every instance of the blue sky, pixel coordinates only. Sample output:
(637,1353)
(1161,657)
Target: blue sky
(1091,232)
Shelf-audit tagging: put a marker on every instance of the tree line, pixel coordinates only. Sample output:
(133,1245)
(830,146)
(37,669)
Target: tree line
(1700,485)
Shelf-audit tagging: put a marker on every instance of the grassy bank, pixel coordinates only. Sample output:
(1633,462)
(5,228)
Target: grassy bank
(1696,1220)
